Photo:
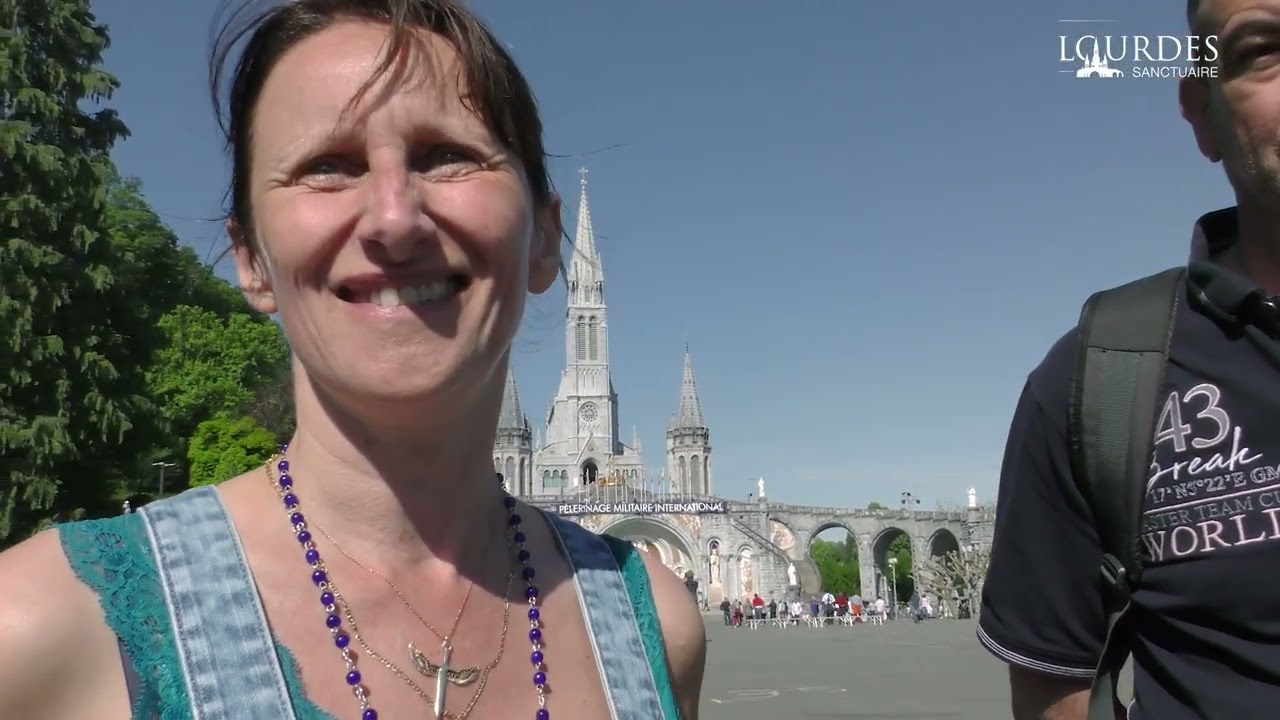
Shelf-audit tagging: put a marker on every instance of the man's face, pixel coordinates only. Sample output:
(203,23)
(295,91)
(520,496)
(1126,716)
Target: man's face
(1236,115)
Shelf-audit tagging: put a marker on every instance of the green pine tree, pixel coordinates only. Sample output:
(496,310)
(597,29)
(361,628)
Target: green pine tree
(67,388)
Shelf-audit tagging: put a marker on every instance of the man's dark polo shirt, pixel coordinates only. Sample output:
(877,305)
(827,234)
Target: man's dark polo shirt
(1207,614)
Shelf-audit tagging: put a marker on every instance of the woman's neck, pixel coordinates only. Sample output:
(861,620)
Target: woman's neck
(424,496)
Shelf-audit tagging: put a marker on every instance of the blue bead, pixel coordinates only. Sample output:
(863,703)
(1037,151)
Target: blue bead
(513,520)
(542,714)
(534,613)
(304,537)
(531,592)
(539,678)
(326,598)
(518,537)
(523,555)
(313,556)
(369,714)
(508,502)
(318,577)
(528,573)
(536,657)
(290,500)
(286,481)
(283,465)
(535,635)
(342,640)
(297,518)
(353,677)
(332,621)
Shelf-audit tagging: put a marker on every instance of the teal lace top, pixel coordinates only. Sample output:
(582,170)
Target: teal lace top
(113,558)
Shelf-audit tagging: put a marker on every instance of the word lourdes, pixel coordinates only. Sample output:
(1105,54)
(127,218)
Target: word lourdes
(342,640)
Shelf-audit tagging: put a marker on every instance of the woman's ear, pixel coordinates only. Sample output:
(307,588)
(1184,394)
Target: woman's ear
(544,255)
(251,271)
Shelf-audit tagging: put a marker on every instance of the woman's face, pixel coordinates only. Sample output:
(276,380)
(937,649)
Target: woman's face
(397,239)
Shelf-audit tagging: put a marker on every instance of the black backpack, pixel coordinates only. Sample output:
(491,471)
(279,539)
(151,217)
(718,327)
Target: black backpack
(1115,396)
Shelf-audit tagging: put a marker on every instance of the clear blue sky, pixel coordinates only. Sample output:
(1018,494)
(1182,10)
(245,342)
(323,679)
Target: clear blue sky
(869,220)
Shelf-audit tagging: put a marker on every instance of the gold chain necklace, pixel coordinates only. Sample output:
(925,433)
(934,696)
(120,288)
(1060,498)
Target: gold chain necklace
(460,676)
(443,672)
(484,672)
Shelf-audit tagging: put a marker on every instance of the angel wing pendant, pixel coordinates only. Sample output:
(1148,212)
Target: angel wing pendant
(460,677)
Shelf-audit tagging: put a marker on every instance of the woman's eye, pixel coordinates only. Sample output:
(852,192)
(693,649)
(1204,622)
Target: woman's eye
(329,166)
(444,158)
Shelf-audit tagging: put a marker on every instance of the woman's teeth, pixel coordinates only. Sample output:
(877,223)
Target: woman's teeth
(431,292)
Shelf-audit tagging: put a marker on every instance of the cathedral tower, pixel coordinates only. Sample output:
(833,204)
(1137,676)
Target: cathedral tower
(689,440)
(513,444)
(582,442)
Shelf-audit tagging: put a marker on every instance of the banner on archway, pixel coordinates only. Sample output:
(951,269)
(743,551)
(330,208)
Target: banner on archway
(644,508)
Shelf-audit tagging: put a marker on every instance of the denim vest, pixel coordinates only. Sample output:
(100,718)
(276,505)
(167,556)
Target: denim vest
(176,588)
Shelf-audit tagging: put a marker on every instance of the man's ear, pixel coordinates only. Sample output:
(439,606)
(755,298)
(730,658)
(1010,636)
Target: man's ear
(1196,104)
(251,271)
(544,254)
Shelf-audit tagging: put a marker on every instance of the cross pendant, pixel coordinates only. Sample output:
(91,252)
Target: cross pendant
(442,680)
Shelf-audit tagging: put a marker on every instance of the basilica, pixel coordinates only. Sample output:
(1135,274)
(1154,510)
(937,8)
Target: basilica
(579,468)
(582,445)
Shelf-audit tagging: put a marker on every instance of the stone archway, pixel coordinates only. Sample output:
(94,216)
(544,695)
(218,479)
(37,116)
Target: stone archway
(894,580)
(651,534)
(942,542)
(590,472)
(839,563)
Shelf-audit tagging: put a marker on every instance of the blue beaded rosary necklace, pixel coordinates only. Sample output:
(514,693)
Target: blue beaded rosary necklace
(283,482)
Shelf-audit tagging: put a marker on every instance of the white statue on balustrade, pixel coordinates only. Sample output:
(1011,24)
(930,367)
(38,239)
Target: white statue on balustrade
(791,575)
(973,498)
(760,487)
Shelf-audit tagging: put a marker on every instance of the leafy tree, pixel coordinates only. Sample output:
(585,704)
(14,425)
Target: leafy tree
(68,389)
(225,446)
(876,506)
(837,566)
(272,406)
(900,549)
(157,275)
(160,273)
(213,364)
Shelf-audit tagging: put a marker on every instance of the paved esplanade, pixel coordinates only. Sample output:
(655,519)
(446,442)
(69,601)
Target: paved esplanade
(928,671)
(897,670)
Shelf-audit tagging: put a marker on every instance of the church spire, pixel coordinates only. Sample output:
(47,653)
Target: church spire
(586,274)
(512,416)
(584,239)
(689,414)
(689,439)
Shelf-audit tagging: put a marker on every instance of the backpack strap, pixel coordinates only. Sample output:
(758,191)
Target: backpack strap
(1124,345)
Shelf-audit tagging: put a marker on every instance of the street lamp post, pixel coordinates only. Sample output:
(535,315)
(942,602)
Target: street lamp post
(909,500)
(893,585)
(162,465)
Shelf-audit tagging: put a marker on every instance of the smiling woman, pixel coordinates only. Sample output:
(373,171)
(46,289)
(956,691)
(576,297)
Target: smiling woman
(390,203)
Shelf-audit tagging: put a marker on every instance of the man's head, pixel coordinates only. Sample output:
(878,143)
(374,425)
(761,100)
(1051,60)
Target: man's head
(1235,114)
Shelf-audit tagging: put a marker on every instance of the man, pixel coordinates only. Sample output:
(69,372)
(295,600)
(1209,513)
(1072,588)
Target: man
(1204,630)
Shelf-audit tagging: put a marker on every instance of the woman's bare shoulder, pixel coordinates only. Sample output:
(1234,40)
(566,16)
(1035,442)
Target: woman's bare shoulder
(683,632)
(54,636)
